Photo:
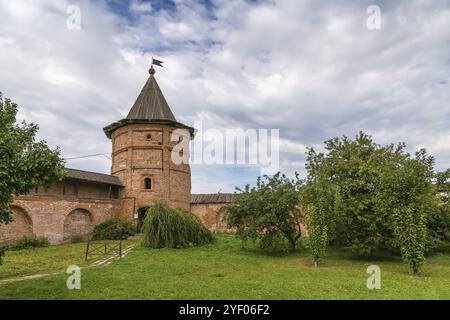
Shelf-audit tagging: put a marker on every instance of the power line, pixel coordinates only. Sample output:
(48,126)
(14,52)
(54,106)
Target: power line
(88,156)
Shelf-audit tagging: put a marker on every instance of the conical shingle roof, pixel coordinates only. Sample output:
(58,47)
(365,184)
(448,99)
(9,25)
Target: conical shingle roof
(151,104)
(150,107)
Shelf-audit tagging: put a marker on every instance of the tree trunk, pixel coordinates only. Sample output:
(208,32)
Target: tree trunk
(292,245)
(415,268)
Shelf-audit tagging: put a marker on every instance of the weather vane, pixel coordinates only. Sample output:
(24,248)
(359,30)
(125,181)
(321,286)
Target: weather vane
(156,63)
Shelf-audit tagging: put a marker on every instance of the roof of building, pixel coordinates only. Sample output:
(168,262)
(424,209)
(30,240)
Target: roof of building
(150,107)
(116,125)
(212,198)
(151,104)
(92,177)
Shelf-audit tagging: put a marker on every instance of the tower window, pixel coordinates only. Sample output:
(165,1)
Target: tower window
(147,183)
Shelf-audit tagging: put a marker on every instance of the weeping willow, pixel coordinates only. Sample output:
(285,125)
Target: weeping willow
(173,228)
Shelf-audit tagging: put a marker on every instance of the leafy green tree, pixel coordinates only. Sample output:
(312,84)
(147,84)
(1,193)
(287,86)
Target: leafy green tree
(165,227)
(267,212)
(24,163)
(438,222)
(438,225)
(443,184)
(369,197)
(405,197)
(319,201)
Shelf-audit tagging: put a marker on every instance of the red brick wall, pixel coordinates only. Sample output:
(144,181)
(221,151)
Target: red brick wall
(77,223)
(21,226)
(214,220)
(59,218)
(144,151)
(210,216)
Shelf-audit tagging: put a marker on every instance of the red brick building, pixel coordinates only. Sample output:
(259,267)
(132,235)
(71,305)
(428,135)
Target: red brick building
(142,173)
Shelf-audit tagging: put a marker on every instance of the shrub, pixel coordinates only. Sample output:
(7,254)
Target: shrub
(77,239)
(438,224)
(171,228)
(114,229)
(28,242)
(274,244)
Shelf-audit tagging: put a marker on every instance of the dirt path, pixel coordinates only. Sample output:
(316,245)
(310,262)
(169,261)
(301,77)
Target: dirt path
(103,261)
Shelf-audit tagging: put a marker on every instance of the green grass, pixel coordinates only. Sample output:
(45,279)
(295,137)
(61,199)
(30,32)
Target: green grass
(47,259)
(226,271)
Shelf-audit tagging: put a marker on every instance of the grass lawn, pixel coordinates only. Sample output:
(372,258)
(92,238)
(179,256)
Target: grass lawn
(47,259)
(226,271)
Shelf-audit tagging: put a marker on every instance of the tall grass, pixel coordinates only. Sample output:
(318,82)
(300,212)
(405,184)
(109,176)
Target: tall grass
(172,228)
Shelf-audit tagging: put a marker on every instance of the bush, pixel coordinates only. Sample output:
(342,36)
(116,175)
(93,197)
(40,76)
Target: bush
(30,242)
(171,228)
(438,223)
(114,229)
(77,239)
(275,244)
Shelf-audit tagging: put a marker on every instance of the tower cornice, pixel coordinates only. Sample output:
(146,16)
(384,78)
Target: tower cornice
(125,122)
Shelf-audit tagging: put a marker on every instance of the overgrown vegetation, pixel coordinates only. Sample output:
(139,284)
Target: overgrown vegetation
(268,212)
(172,228)
(114,229)
(24,163)
(369,197)
(29,242)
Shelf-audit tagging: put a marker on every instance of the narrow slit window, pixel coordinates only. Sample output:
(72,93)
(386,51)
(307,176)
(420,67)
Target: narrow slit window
(147,183)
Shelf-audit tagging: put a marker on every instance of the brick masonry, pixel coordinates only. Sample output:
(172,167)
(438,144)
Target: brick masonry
(140,151)
(210,215)
(215,220)
(73,208)
(57,217)
(143,151)
(21,227)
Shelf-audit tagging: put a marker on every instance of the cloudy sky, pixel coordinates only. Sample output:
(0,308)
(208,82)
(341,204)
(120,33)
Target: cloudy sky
(312,69)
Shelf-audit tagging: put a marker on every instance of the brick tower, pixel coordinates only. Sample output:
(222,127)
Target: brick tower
(142,144)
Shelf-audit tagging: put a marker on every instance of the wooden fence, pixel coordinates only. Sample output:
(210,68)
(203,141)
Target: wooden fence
(103,248)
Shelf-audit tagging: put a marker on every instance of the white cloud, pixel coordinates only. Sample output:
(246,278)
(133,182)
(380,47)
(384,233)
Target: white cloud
(140,7)
(312,70)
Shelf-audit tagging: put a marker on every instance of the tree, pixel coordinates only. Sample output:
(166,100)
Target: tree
(438,222)
(405,197)
(165,227)
(319,201)
(369,197)
(24,163)
(267,212)
(443,184)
